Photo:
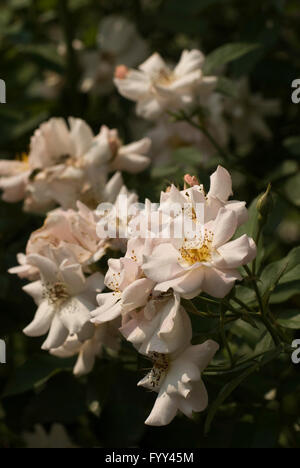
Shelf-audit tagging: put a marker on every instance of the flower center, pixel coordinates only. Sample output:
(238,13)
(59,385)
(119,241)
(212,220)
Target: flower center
(55,292)
(161,364)
(114,283)
(24,158)
(165,78)
(197,250)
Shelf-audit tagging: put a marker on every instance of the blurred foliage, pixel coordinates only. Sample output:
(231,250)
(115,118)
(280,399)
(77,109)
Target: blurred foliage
(106,409)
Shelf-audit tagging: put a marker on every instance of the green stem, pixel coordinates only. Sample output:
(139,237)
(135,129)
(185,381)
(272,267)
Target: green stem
(224,338)
(243,305)
(202,129)
(263,315)
(72,68)
(257,239)
(258,295)
(195,311)
(217,370)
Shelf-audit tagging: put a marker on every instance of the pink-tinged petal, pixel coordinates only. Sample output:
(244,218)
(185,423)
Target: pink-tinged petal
(49,142)
(75,314)
(42,320)
(240,210)
(14,187)
(149,107)
(175,329)
(25,272)
(253,251)
(47,267)
(85,361)
(11,167)
(136,294)
(201,354)
(167,331)
(224,227)
(138,147)
(100,151)
(35,290)
(86,332)
(109,308)
(134,86)
(218,283)
(163,411)
(196,401)
(73,277)
(213,206)
(220,184)
(132,163)
(121,273)
(57,335)
(106,315)
(81,135)
(181,374)
(236,253)
(189,61)
(139,247)
(153,65)
(70,347)
(163,264)
(182,84)
(172,196)
(188,285)
(113,188)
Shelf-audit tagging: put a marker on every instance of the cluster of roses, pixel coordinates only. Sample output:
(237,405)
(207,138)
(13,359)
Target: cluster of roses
(69,167)
(157,85)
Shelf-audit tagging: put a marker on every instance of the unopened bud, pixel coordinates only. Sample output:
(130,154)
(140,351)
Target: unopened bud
(265,205)
(190,180)
(121,72)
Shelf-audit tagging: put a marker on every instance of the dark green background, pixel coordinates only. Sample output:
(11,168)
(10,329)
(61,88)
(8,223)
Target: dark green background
(40,389)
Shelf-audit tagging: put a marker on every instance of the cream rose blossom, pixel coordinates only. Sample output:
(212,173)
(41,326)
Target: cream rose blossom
(177,380)
(65,298)
(157,88)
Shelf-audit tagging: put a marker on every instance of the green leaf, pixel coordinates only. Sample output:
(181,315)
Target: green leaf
(250,228)
(29,124)
(45,56)
(246,332)
(265,344)
(292,144)
(227,87)
(290,319)
(281,279)
(292,189)
(35,372)
(187,155)
(164,171)
(225,54)
(62,400)
(245,294)
(231,386)
(225,393)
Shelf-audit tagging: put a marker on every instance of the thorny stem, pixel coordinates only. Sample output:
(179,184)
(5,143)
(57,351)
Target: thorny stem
(242,304)
(215,370)
(263,314)
(206,315)
(223,335)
